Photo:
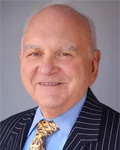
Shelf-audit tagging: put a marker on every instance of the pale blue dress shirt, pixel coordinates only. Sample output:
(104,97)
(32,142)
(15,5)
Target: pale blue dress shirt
(65,123)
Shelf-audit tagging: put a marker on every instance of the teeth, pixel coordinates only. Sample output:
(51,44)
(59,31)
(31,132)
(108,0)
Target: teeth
(48,83)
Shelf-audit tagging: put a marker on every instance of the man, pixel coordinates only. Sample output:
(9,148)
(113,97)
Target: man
(59,62)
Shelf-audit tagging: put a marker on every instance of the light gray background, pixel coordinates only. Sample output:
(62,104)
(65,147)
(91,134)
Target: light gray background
(105,15)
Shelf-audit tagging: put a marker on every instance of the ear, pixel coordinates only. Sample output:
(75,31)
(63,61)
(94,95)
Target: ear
(95,65)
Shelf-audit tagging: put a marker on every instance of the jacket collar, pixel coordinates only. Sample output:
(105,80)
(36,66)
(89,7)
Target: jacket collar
(85,130)
(21,128)
(87,126)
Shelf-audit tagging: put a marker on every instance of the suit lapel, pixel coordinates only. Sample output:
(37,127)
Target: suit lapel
(18,133)
(86,128)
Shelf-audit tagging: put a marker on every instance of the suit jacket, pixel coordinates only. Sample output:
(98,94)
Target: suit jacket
(96,128)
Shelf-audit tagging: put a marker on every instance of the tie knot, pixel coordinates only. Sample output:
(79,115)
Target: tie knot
(46,128)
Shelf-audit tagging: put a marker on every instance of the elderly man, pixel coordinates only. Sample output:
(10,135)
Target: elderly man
(59,62)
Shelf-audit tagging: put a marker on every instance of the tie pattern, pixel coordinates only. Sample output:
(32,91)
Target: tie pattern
(44,129)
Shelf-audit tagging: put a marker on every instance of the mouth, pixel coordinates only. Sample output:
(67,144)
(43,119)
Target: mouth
(49,83)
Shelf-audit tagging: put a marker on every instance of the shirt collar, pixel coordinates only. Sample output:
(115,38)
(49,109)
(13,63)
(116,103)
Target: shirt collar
(38,117)
(65,121)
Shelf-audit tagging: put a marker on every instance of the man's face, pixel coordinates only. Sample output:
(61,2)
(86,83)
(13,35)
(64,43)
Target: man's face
(55,66)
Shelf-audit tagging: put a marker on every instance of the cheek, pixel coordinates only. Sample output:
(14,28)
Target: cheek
(73,69)
(79,71)
(27,71)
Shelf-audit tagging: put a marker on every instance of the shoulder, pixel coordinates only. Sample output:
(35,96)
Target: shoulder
(109,129)
(15,128)
(105,109)
(110,119)
(109,111)
(109,125)
(109,115)
(15,118)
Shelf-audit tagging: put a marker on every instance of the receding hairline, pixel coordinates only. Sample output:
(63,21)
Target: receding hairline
(69,10)
(60,8)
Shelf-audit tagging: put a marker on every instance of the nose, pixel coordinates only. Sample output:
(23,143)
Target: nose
(48,66)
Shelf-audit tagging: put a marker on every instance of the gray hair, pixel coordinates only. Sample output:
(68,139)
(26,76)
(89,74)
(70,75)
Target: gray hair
(69,9)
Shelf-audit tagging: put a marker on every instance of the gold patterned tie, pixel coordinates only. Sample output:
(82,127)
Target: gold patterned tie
(44,129)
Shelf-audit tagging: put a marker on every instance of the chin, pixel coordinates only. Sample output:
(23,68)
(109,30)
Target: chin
(50,102)
(48,106)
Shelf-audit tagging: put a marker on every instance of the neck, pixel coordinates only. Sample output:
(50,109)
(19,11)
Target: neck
(52,113)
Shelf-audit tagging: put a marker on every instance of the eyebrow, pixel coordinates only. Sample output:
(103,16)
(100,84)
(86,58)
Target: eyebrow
(69,48)
(29,47)
(62,48)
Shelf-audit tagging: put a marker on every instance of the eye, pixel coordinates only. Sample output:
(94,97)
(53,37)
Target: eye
(65,54)
(34,54)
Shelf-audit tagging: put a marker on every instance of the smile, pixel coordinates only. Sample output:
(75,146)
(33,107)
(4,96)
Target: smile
(49,83)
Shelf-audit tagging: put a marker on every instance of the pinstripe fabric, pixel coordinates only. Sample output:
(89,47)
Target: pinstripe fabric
(96,128)
(14,130)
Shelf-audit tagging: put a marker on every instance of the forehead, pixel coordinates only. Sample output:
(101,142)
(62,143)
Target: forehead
(56,23)
(57,16)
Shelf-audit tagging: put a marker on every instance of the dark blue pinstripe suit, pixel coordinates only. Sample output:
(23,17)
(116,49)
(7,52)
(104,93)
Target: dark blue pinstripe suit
(96,128)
